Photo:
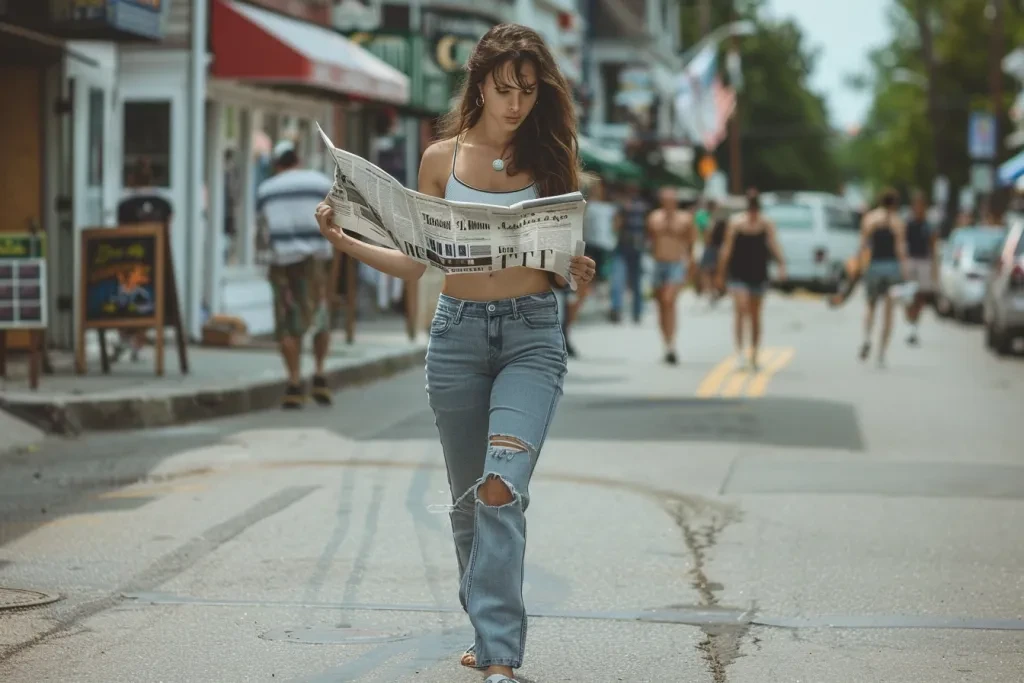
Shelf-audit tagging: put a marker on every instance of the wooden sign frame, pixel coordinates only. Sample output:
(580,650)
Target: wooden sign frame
(165,292)
(36,329)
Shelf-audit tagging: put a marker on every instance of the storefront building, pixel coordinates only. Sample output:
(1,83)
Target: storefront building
(58,174)
(206,105)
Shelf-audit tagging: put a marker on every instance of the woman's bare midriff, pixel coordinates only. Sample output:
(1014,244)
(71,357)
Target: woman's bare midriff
(505,284)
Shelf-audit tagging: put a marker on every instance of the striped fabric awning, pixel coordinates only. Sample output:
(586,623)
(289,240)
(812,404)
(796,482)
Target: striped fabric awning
(1011,170)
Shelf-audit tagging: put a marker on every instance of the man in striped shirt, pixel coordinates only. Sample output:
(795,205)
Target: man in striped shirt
(299,261)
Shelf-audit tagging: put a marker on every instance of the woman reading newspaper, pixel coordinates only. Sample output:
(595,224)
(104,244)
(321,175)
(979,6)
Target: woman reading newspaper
(496,358)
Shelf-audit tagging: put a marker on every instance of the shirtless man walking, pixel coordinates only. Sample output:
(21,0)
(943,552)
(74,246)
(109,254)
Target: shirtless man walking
(672,233)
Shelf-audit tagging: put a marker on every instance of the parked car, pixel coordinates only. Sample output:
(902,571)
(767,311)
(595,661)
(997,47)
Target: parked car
(967,258)
(1004,293)
(817,232)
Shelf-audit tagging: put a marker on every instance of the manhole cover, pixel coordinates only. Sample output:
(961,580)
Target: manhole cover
(13,598)
(321,635)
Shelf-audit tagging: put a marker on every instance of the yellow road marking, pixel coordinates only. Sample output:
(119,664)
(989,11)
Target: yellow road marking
(728,380)
(759,383)
(806,295)
(714,379)
(734,386)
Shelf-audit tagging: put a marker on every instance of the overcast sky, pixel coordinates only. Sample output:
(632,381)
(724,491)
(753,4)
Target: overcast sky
(845,30)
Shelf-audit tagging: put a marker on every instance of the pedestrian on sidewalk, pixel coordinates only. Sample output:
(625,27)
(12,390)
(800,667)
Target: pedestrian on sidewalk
(600,225)
(750,242)
(496,359)
(627,266)
(672,234)
(300,265)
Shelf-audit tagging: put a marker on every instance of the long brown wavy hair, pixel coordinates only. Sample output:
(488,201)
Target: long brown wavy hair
(545,144)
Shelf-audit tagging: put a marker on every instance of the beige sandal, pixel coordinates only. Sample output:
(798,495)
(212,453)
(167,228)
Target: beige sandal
(469,658)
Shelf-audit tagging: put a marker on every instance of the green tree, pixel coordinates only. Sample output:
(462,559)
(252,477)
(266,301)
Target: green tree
(925,81)
(786,142)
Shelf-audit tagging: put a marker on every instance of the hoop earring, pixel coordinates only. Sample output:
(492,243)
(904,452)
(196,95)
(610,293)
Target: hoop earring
(480,101)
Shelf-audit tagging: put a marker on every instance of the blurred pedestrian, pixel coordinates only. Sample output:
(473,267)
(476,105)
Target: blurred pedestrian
(143,203)
(672,234)
(750,241)
(299,261)
(712,250)
(496,358)
(627,268)
(923,261)
(601,224)
(883,235)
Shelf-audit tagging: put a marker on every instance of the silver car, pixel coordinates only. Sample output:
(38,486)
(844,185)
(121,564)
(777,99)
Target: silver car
(967,259)
(1004,294)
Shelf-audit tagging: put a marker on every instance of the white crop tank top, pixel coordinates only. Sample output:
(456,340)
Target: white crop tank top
(459,191)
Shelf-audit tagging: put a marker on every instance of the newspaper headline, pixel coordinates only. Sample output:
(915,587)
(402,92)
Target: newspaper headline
(456,237)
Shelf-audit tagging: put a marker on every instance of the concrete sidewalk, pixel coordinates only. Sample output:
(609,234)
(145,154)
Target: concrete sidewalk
(221,382)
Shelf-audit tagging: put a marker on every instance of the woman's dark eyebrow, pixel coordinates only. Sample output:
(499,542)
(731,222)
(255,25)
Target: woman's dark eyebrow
(504,85)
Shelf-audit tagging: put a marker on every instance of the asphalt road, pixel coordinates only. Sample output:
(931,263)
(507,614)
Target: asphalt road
(824,520)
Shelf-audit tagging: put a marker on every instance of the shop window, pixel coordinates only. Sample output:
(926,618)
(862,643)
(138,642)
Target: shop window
(96,120)
(147,144)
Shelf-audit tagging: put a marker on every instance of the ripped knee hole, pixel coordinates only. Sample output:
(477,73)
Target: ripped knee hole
(495,491)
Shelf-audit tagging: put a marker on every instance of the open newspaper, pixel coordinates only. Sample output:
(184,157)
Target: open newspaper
(456,237)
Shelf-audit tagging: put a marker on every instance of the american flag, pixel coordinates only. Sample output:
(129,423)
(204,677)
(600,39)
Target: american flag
(718,108)
(703,104)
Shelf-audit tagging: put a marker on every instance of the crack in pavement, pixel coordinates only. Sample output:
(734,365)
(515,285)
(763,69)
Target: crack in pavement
(701,522)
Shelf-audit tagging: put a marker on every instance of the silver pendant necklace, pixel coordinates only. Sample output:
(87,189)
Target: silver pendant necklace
(499,163)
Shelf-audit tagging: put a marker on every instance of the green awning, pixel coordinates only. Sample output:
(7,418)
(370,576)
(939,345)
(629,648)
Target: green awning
(654,178)
(610,164)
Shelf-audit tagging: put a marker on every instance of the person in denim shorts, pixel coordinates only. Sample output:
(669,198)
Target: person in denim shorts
(883,238)
(496,359)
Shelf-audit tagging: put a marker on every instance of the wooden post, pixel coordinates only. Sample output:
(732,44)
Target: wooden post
(351,298)
(3,354)
(160,291)
(35,341)
(79,313)
(735,141)
(412,307)
(101,334)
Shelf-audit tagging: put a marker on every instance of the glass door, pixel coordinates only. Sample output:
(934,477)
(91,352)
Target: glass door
(88,186)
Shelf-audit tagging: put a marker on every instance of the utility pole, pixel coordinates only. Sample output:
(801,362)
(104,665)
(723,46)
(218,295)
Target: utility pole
(735,147)
(998,50)
(704,17)
(924,28)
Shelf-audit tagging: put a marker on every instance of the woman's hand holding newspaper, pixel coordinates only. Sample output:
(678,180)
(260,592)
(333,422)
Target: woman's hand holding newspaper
(333,234)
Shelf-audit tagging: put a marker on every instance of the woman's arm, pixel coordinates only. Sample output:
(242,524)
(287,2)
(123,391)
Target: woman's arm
(899,229)
(388,260)
(773,244)
(726,251)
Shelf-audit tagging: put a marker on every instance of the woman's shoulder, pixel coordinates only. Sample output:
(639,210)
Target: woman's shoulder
(438,155)
(435,165)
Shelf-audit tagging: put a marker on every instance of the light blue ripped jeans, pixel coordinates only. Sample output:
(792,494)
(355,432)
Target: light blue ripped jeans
(494,373)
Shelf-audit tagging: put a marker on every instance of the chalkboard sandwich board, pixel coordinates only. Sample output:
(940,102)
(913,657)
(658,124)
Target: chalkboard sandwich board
(128,283)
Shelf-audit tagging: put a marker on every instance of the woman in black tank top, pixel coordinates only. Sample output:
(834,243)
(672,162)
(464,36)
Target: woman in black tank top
(883,237)
(749,244)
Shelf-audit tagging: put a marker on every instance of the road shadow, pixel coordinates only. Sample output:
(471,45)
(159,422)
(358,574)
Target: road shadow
(775,421)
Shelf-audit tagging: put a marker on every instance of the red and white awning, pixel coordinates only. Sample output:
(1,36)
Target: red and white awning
(255,45)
